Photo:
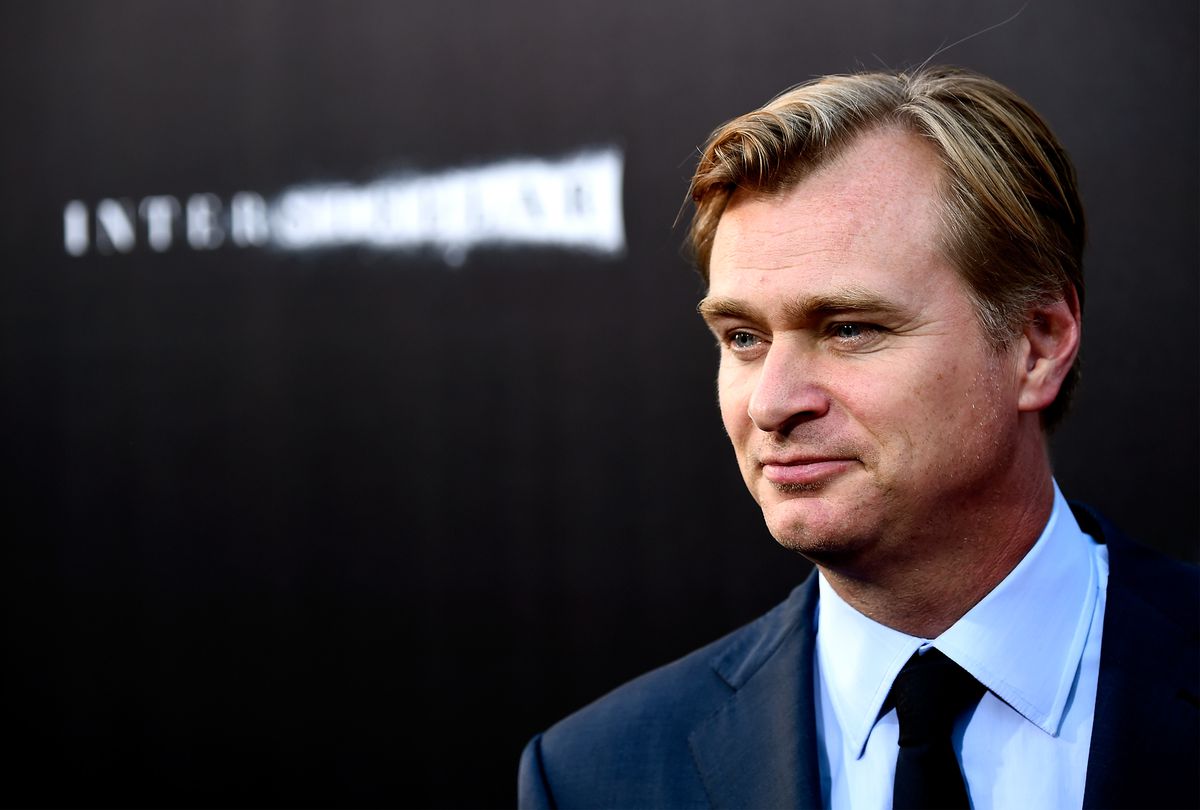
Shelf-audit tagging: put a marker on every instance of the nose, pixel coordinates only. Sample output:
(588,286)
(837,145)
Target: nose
(787,391)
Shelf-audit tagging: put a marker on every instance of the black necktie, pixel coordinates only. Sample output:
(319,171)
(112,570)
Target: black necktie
(929,694)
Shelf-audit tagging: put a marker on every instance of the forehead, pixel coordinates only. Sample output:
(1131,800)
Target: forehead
(875,209)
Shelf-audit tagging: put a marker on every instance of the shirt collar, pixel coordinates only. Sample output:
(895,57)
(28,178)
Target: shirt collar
(1023,641)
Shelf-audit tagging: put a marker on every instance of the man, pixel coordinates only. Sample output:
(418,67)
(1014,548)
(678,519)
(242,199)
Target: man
(895,283)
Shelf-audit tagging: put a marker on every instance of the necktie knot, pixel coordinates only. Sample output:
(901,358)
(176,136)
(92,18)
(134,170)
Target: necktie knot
(929,693)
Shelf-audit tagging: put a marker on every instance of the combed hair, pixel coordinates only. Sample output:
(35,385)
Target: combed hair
(1012,221)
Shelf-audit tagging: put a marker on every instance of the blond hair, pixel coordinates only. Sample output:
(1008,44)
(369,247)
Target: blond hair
(1012,219)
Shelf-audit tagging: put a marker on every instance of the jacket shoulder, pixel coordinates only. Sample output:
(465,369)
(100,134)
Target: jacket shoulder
(1170,588)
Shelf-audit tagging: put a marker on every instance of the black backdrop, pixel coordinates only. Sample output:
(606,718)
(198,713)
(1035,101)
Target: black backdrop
(347,526)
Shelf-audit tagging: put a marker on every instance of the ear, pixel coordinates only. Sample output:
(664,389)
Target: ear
(1050,342)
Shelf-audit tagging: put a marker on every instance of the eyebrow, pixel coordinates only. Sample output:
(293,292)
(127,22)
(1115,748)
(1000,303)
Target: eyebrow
(849,299)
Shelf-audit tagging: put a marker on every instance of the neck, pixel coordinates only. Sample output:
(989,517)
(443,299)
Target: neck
(941,574)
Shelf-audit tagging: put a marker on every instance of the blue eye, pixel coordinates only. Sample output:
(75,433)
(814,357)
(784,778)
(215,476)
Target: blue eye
(854,336)
(743,340)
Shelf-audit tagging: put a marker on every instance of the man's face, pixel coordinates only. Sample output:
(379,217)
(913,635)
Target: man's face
(865,405)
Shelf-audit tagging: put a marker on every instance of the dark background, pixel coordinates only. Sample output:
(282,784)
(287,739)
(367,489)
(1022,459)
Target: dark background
(348,527)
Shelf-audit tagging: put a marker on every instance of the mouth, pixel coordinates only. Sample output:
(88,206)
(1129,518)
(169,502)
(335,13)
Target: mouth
(803,472)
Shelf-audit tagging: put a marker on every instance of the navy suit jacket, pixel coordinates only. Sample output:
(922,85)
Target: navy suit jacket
(733,724)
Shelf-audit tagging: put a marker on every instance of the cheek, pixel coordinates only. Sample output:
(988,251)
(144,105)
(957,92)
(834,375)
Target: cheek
(957,412)
(908,414)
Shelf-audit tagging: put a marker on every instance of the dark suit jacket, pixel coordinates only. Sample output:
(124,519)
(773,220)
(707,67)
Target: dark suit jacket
(733,725)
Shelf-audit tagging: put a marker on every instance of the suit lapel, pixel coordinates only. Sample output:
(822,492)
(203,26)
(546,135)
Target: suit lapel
(1144,736)
(760,748)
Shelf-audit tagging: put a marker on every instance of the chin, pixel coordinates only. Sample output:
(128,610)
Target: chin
(820,528)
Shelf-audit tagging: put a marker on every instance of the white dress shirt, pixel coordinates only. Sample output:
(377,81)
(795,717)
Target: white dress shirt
(1034,642)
